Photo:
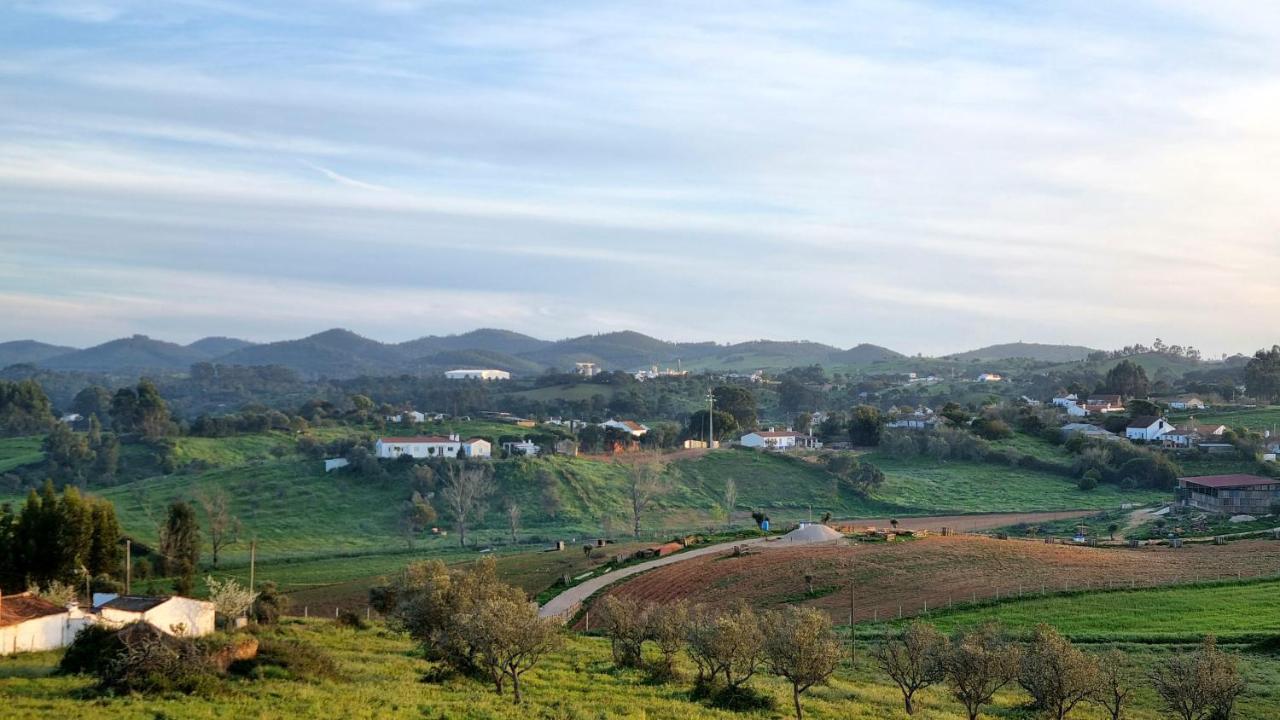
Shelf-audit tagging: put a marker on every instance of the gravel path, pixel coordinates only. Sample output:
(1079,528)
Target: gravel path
(566,603)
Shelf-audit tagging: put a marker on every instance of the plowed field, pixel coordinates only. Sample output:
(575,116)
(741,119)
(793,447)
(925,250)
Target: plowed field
(937,571)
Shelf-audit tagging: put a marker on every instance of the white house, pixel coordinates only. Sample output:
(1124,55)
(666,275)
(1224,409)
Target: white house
(586,369)
(477,448)
(30,624)
(990,377)
(1187,403)
(477,374)
(1190,435)
(174,615)
(524,447)
(631,427)
(331,464)
(412,416)
(779,440)
(418,446)
(1148,428)
(1067,400)
(1076,410)
(71,418)
(914,421)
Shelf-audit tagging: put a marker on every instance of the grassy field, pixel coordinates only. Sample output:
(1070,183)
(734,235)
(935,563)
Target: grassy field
(1256,419)
(957,486)
(19,451)
(382,676)
(1235,612)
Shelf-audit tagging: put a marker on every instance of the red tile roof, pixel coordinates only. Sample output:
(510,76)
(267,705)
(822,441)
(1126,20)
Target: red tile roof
(1230,481)
(16,609)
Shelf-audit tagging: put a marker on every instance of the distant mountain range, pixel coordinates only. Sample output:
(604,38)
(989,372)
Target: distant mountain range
(340,353)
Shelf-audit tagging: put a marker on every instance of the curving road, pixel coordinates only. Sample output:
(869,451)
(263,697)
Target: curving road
(565,604)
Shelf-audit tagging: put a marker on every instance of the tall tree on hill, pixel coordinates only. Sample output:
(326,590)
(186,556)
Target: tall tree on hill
(68,454)
(223,527)
(464,491)
(644,485)
(725,425)
(141,410)
(738,402)
(24,408)
(1262,375)
(91,401)
(180,546)
(865,426)
(54,536)
(1129,379)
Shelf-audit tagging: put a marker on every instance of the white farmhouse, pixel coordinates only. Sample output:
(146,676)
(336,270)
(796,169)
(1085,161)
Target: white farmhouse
(1067,400)
(418,446)
(779,440)
(524,447)
(412,416)
(477,374)
(990,377)
(918,420)
(32,624)
(630,427)
(1186,403)
(1148,428)
(174,615)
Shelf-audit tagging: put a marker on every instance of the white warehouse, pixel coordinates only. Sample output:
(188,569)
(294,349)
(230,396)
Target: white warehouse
(475,374)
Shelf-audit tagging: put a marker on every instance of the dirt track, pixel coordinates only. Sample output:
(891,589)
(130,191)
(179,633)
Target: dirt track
(966,523)
(937,570)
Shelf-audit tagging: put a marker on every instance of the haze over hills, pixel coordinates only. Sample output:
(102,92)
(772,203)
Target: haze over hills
(342,353)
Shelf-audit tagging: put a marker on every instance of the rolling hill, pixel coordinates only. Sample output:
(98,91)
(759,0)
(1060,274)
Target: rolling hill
(213,347)
(484,339)
(332,353)
(16,352)
(131,353)
(1028,351)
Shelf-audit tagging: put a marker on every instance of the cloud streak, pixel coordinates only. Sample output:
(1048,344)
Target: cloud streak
(924,175)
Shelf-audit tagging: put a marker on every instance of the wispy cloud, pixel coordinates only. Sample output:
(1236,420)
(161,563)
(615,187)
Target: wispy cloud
(927,175)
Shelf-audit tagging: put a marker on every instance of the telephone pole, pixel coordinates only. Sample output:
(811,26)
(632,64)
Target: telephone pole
(253,557)
(128,565)
(711,420)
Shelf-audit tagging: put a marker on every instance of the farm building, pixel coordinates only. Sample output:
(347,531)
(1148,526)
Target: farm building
(418,446)
(173,615)
(1230,494)
(1191,435)
(477,374)
(524,447)
(1186,403)
(477,448)
(629,427)
(29,623)
(1148,428)
(1108,401)
(919,420)
(779,440)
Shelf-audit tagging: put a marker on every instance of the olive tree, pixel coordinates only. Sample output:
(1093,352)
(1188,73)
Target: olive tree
(1056,674)
(800,646)
(508,637)
(666,628)
(1200,685)
(913,659)
(978,663)
(625,622)
(1115,683)
(728,644)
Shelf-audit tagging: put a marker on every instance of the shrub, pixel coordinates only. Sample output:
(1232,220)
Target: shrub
(153,662)
(288,659)
(269,605)
(351,619)
(626,624)
(93,648)
(1056,674)
(1089,480)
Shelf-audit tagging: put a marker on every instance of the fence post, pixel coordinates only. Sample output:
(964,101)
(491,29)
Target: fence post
(306,611)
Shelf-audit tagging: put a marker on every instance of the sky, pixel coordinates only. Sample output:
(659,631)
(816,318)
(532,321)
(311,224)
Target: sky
(929,176)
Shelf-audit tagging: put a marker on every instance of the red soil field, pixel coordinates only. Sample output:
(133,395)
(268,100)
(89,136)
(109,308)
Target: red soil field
(936,571)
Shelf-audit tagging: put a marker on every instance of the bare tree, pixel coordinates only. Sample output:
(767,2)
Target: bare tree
(979,662)
(1199,685)
(223,526)
(799,645)
(644,485)
(513,518)
(1056,674)
(730,499)
(667,623)
(464,490)
(913,659)
(1115,683)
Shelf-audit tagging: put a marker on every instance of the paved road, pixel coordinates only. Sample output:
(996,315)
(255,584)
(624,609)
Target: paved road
(566,603)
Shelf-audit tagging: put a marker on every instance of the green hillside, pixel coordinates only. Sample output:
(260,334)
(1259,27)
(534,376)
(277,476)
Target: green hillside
(19,451)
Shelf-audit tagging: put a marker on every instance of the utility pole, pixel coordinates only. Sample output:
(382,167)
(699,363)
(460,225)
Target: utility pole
(711,419)
(253,556)
(128,565)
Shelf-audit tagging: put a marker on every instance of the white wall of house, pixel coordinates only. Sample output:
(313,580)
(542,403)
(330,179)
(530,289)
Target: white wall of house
(1154,432)
(417,449)
(477,448)
(477,374)
(756,440)
(43,633)
(176,616)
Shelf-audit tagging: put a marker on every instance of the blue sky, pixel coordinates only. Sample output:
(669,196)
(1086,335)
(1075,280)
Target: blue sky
(931,176)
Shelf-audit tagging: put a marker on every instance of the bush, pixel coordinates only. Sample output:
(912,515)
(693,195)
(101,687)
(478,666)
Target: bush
(152,662)
(1089,480)
(269,605)
(351,619)
(93,648)
(288,659)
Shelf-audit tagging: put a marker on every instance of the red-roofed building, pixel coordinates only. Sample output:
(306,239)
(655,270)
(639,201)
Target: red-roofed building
(1237,494)
(29,623)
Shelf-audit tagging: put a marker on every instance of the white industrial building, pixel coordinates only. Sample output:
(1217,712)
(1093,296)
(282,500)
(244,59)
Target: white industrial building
(477,374)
